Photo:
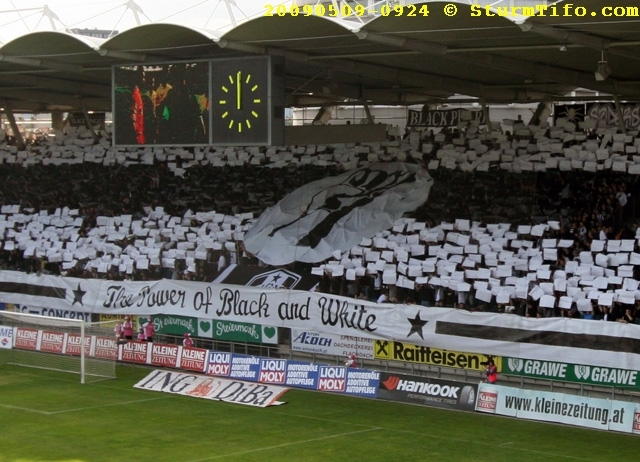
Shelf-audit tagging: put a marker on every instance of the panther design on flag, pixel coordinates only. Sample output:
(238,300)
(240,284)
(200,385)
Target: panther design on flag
(336,213)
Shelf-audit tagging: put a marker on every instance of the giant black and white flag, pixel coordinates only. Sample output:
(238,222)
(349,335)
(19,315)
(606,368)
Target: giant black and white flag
(336,213)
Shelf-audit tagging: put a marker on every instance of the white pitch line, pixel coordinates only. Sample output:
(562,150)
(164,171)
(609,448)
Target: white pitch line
(105,405)
(493,444)
(8,406)
(284,445)
(322,419)
(508,445)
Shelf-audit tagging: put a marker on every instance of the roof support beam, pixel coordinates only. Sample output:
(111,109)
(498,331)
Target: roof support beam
(579,38)
(47,83)
(14,126)
(42,63)
(50,98)
(131,56)
(530,70)
(441,84)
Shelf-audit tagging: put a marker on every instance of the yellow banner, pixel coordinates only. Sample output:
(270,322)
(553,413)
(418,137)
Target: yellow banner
(136,320)
(406,352)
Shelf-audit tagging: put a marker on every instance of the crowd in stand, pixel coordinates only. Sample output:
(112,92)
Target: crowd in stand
(510,217)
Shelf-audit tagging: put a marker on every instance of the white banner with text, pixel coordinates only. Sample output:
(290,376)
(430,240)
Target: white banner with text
(586,342)
(581,411)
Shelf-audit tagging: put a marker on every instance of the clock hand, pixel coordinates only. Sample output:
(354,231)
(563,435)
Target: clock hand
(238,90)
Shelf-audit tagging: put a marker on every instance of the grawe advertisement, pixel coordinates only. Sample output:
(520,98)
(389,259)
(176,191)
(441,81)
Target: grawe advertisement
(336,379)
(565,372)
(329,344)
(581,411)
(427,391)
(409,353)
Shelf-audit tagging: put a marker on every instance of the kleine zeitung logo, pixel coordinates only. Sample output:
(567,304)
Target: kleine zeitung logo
(27,334)
(487,400)
(636,421)
(192,353)
(165,350)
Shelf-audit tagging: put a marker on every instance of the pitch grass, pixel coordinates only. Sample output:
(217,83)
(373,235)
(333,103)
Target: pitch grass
(46,416)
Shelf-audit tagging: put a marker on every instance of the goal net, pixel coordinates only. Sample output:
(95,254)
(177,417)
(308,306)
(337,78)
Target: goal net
(68,345)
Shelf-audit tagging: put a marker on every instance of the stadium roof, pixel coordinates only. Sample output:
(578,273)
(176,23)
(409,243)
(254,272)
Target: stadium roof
(384,60)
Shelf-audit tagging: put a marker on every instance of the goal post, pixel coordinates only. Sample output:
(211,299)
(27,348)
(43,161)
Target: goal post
(59,344)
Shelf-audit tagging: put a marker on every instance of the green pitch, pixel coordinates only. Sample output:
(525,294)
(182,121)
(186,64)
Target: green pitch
(46,416)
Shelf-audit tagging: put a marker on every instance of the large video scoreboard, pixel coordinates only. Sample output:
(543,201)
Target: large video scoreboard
(237,101)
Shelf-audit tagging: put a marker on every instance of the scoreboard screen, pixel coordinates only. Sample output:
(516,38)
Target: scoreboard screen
(161,104)
(238,101)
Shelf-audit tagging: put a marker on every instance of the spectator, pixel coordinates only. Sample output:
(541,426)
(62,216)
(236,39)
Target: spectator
(384,297)
(351,361)
(127,328)
(149,330)
(628,317)
(586,205)
(118,330)
(491,371)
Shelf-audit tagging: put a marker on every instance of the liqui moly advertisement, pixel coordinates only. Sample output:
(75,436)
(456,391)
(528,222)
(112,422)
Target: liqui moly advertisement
(300,374)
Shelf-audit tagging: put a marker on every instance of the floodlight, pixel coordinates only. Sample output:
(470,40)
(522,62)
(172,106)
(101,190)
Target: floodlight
(603,71)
